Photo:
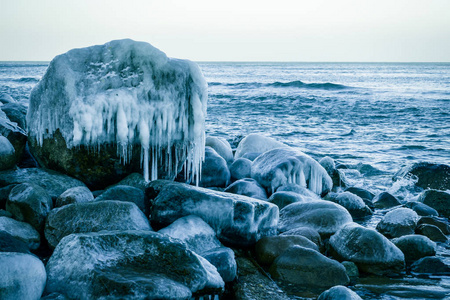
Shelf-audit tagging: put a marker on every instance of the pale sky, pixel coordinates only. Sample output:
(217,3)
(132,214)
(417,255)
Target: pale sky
(233,30)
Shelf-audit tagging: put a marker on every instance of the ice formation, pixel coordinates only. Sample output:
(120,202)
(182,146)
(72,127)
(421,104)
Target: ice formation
(126,93)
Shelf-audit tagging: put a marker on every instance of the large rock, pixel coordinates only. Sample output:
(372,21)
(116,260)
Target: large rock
(354,204)
(29,203)
(241,168)
(385,200)
(9,243)
(421,209)
(53,182)
(215,172)
(97,109)
(415,247)
(428,175)
(16,113)
(22,276)
(223,259)
(236,219)
(438,200)
(127,194)
(308,268)
(128,265)
(363,193)
(22,231)
(283,199)
(93,217)
(430,266)
(222,147)
(323,216)
(77,194)
(398,222)
(432,232)
(247,187)
(16,135)
(280,166)
(337,177)
(7,154)
(307,232)
(255,143)
(339,292)
(369,250)
(442,224)
(6,98)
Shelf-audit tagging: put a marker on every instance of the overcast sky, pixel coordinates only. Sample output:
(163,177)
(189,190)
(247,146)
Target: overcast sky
(233,30)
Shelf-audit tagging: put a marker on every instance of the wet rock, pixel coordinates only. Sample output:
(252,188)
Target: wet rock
(22,276)
(4,193)
(352,270)
(283,199)
(236,219)
(363,193)
(432,232)
(429,175)
(354,204)
(385,200)
(127,194)
(278,167)
(308,268)
(339,292)
(121,264)
(16,135)
(77,194)
(21,231)
(369,250)
(241,168)
(6,98)
(53,182)
(430,266)
(438,200)
(269,248)
(247,187)
(441,224)
(324,216)
(223,259)
(415,247)
(337,177)
(398,222)
(8,243)
(255,143)
(307,232)
(222,147)
(29,203)
(215,171)
(93,217)
(421,209)
(135,180)
(16,113)
(7,154)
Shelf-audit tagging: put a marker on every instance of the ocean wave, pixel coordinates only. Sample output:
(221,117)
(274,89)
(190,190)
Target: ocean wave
(290,84)
(26,79)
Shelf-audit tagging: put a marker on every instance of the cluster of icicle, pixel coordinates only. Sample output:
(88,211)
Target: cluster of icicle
(105,102)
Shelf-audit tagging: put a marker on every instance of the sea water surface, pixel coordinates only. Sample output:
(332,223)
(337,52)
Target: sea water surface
(372,117)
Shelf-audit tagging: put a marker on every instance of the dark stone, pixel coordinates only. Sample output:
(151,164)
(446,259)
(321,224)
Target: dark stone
(385,200)
(398,222)
(16,113)
(8,157)
(77,194)
(429,175)
(241,168)
(128,194)
(438,200)
(214,170)
(223,259)
(441,224)
(21,231)
(432,232)
(363,193)
(307,232)
(415,247)
(339,292)
(6,98)
(247,187)
(135,180)
(8,243)
(283,199)
(422,209)
(431,266)
(16,135)
(354,204)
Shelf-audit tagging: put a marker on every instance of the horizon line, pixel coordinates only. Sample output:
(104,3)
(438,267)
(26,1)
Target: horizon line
(264,61)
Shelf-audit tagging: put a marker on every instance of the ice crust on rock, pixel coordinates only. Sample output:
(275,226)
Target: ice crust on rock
(255,143)
(281,166)
(126,93)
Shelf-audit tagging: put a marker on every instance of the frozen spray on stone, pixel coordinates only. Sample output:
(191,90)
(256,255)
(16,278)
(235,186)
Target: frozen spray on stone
(125,93)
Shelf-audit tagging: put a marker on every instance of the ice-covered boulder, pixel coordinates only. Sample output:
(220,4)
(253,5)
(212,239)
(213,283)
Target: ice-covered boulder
(102,112)
(256,143)
(236,219)
(16,135)
(309,233)
(215,172)
(369,250)
(16,113)
(283,199)
(223,259)
(128,265)
(7,154)
(22,276)
(93,217)
(222,147)
(241,168)
(398,222)
(247,187)
(21,231)
(77,194)
(6,98)
(280,166)
(324,216)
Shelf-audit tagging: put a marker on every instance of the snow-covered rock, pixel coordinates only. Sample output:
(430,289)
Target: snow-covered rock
(93,217)
(247,187)
(280,166)
(128,265)
(369,250)
(22,276)
(324,216)
(339,292)
(256,143)
(21,231)
(236,219)
(398,222)
(121,106)
(77,194)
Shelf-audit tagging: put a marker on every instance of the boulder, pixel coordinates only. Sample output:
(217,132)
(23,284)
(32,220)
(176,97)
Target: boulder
(6,98)
(255,143)
(269,248)
(9,243)
(135,180)
(103,112)
(352,270)
(77,194)
(369,250)
(385,200)
(441,224)
(222,147)
(126,193)
(93,217)
(415,247)
(431,266)
(29,203)
(296,188)
(428,175)
(121,265)
(354,204)
(363,193)
(223,259)
(53,182)
(438,200)
(278,167)
(308,268)
(236,219)
(307,232)
(283,199)
(7,154)
(398,222)
(421,209)
(247,187)
(241,168)
(215,172)
(16,135)
(16,113)
(21,231)
(22,276)
(324,216)
(339,292)
(336,176)
(432,232)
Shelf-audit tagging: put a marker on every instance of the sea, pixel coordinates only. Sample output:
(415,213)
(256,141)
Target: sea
(373,118)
